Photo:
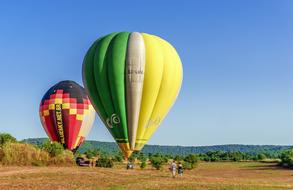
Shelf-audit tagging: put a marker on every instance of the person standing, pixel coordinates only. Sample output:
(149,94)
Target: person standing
(173,168)
(180,169)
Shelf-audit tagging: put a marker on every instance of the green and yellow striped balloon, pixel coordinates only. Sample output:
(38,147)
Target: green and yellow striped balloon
(132,80)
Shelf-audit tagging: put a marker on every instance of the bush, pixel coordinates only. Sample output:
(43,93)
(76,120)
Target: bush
(191,158)
(143,165)
(117,157)
(104,162)
(89,154)
(187,166)
(178,158)
(158,160)
(287,158)
(142,157)
(261,157)
(66,158)
(53,148)
(6,138)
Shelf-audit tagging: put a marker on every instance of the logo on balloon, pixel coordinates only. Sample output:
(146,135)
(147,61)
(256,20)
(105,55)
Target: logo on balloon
(154,122)
(114,120)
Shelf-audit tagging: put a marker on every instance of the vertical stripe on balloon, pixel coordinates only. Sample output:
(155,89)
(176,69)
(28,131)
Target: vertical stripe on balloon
(135,62)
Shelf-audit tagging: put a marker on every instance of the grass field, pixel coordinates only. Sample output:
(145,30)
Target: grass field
(207,176)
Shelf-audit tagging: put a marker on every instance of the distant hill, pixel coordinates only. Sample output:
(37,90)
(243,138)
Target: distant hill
(175,150)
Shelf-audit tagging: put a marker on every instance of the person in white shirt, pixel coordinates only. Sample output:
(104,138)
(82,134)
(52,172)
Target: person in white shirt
(173,168)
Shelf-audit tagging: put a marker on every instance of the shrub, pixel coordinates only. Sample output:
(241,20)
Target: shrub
(89,154)
(142,157)
(143,165)
(261,156)
(66,158)
(190,161)
(157,161)
(117,157)
(53,148)
(287,158)
(191,158)
(104,162)
(178,158)
(6,138)
(187,166)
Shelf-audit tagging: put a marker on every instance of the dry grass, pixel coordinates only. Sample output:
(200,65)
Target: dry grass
(19,154)
(208,176)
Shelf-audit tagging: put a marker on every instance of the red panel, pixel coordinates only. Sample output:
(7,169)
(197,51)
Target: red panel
(79,111)
(66,95)
(50,126)
(80,106)
(73,100)
(73,106)
(59,91)
(66,100)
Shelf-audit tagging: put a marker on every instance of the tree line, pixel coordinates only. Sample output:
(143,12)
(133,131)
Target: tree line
(41,151)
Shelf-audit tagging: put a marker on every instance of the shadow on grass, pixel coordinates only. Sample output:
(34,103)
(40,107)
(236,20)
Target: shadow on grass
(268,166)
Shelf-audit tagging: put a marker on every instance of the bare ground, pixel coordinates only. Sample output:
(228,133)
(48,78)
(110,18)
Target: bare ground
(207,176)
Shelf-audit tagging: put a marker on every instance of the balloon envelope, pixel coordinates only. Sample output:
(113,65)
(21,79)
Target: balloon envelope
(67,114)
(132,80)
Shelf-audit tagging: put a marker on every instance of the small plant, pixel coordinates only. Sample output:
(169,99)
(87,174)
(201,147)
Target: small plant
(104,162)
(143,165)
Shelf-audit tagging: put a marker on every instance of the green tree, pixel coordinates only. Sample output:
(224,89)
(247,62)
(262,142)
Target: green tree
(158,160)
(287,158)
(261,156)
(192,159)
(6,138)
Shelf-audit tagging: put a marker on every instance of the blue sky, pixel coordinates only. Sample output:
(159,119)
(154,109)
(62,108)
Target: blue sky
(237,58)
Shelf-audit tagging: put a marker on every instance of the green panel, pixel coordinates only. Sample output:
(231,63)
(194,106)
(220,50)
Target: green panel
(100,68)
(116,56)
(89,82)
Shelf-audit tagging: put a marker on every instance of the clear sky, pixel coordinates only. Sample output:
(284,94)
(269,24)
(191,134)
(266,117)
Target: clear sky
(237,58)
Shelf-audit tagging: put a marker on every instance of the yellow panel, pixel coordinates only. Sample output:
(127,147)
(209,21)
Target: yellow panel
(125,149)
(58,101)
(152,81)
(85,111)
(51,106)
(72,111)
(170,86)
(79,117)
(87,123)
(66,106)
(46,112)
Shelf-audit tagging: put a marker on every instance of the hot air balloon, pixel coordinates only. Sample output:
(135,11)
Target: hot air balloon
(132,79)
(67,114)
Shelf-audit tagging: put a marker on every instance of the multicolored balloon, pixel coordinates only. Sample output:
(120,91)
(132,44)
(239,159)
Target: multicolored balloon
(66,114)
(133,80)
